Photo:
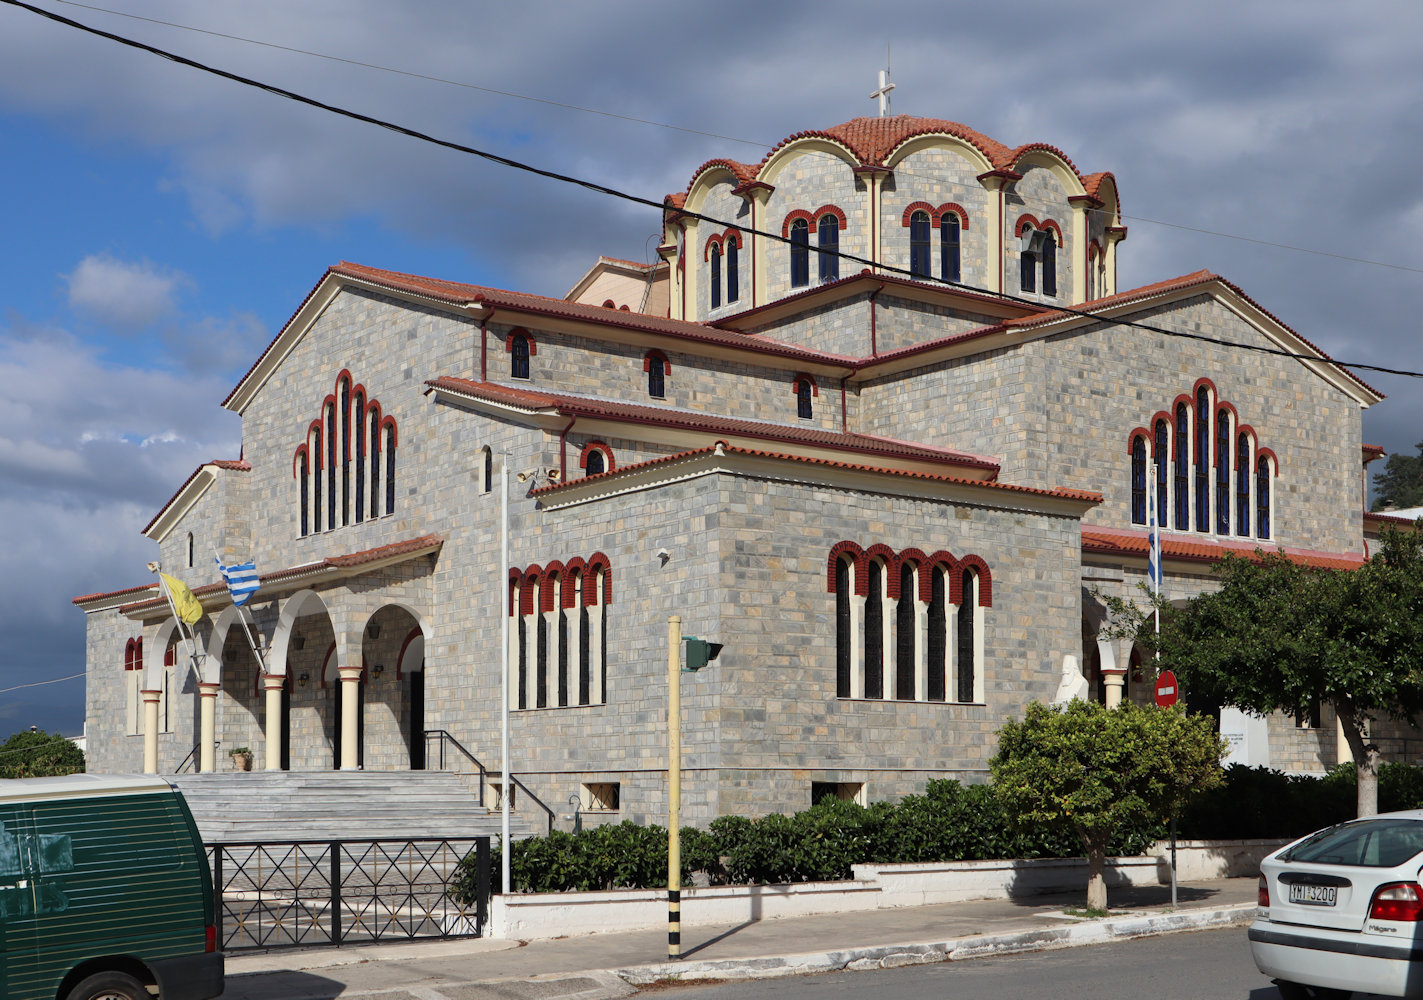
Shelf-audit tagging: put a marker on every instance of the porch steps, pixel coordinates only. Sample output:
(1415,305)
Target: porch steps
(271,806)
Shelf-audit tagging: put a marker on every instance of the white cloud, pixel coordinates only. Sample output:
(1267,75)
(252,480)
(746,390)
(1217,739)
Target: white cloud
(126,295)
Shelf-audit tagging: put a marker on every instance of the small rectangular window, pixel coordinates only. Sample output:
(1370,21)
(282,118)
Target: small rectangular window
(846,791)
(601,796)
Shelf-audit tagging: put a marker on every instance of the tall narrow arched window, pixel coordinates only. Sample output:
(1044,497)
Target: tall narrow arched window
(562,629)
(800,253)
(715,276)
(523,661)
(519,356)
(949,256)
(331,465)
(1242,484)
(1262,497)
(1161,453)
(919,263)
(656,366)
(1138,480)
(390,468)
(905,632)
(585,636)
(1182,445)
(803,407)
(967,640)
(828,232)
(362,473)
(486,484)
(375,463)
(1222,471)
(303,472)
(595,463)
(874,632)
(541,647)
(315,480)
(1049,264)
(1203,460)
(733,269)
(937,639)
(190,550)
(345,451)
(844,641)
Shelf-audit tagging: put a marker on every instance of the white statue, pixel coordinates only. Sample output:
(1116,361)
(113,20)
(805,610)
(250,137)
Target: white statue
(1073,684)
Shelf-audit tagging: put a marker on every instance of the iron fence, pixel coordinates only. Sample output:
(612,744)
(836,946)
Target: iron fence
(333,892)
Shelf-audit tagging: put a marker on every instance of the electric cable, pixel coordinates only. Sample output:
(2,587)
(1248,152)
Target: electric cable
(662,206)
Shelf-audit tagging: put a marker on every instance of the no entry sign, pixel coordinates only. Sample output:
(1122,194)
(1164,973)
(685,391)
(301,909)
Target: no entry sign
(1166,689)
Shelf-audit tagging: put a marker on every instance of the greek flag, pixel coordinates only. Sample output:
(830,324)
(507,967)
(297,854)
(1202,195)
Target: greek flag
(241,580)
(1153,558)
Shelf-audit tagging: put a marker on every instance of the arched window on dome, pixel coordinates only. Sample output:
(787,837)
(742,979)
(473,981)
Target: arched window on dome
(1222,471)
(1203,459)
(800,253)
(1028,259)
(949,247)
(828,230)
(1262,497)
(716,277)
(919,264)
(1242,484)
(733,269)
(1138,479)
(1049,259)
(1182,445)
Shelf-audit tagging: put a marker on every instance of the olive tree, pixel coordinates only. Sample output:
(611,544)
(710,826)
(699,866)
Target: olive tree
(1278,635)
(34,753)
(1092,769)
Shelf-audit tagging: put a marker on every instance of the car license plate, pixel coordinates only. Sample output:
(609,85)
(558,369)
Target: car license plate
(1314,895)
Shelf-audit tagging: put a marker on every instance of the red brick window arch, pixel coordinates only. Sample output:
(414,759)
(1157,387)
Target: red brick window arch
(559,624)
(345,464)
(657,366)
(596,458)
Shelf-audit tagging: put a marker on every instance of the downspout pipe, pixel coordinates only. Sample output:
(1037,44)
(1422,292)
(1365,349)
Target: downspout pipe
(874,332)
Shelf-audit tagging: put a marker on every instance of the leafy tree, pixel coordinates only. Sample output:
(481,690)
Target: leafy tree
(1400,484)
(1093,769)
(1278,635)
(34,753)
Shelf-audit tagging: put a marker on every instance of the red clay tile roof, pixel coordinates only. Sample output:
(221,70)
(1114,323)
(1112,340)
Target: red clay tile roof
(1119,541)
(1374,450)
(410,546)
(743,172)
(873,139)
(1383,517)
(1085,496)
(460,293)
(231,465)
(711,423)
(86,598)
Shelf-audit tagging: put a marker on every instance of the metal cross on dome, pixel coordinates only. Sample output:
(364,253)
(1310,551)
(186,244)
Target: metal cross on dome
(884,88)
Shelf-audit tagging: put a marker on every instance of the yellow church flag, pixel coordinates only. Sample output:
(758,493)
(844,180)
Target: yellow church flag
(185,605)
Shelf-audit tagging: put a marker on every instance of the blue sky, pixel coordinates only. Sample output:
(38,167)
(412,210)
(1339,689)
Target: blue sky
(159,226)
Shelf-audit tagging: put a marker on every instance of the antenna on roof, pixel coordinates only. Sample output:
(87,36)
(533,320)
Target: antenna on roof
(884,86)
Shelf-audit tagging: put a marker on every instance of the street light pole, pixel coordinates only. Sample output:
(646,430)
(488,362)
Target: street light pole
(503,589)
(674,787)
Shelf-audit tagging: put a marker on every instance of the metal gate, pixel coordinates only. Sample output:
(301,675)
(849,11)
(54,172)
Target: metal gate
(310,893)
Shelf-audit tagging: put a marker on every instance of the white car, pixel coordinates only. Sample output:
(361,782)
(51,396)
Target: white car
(1341,911)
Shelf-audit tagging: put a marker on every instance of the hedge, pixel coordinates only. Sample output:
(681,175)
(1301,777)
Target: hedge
(949,822)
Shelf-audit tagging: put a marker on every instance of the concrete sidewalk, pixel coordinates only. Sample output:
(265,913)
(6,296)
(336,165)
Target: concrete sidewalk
(603,965)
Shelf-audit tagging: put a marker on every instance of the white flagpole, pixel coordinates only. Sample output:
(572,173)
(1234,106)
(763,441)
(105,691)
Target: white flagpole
(177,618)
(503,590)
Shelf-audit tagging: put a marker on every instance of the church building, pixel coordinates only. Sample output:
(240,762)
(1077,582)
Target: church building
(878,419)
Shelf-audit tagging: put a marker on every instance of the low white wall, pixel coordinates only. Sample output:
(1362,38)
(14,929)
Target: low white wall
(532,916)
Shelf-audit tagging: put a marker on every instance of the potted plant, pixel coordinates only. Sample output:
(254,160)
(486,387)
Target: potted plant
(241,758)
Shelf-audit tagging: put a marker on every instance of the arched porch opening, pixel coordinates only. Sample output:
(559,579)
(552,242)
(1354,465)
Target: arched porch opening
(393,688)
(303,650)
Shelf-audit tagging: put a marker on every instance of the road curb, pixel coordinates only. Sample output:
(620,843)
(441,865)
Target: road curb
(1075,935)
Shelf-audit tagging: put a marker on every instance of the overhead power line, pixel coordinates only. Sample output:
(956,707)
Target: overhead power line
(901,171)
(660,206)
(35,684)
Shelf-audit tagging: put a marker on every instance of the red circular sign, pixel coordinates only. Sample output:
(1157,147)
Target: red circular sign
(1166,689)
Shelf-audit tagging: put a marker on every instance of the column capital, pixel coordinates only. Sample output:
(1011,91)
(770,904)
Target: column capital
(273,682)
(351,673)
(208,690)
(148,695)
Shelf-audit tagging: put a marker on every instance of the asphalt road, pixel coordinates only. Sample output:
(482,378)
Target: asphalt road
(1209,965)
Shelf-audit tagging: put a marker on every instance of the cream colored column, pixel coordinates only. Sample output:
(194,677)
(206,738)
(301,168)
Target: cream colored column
(207,726)
(1114,676)
(1077,260)
(921,649)
(857,645)
(350,716)
(761,248)
(150,730)
(273,685)
(595,654)
(995,248)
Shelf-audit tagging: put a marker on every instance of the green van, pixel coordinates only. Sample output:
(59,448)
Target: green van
(104,892)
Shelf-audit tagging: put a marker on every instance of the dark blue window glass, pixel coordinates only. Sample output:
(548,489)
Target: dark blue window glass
(1182,477)
(1242,485)
(829,232)
(1222,472)
(1203,460)
(949,248)
(519,360)
(1161,451)
(1262,497)
(715,277)
(733,271)
(802,395)
(919,265)
(1049,264)
(800,253)
(1138,480)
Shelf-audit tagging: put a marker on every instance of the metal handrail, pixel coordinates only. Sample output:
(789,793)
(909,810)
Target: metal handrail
(444,736)
(191,761)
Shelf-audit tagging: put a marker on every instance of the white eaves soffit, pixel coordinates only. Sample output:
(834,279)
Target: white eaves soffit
(811,473)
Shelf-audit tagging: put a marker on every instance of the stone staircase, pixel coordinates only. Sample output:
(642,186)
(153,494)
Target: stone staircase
(272,806)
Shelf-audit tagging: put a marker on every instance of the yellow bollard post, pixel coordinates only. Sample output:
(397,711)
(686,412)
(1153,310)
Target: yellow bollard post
(674,787)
